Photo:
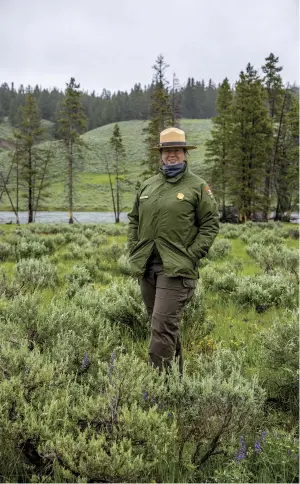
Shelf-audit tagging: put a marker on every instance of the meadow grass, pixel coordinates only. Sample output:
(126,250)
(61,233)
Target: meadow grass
(223,325)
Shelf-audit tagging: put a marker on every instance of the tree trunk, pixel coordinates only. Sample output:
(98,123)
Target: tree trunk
(118,190)
(30,204)
(17,193)
(71,221)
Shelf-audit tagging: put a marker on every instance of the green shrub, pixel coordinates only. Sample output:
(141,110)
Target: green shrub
(290,261)
(212,403)
(79,275)
(8,289)
(269,238)
(112,253)
(122,304)
(109,431)
(36,273)
(220,249)
(59,239)
(124,266)
(77,251)
(5,251)
(213,280)
(30,249)
(98,240)
(279,365)
(194,325)
(271,257)
(271,457)
(294,233)
(266,290)
(268,257)
(230,231)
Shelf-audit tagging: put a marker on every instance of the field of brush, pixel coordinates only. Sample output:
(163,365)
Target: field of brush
(91,186)
(78,401)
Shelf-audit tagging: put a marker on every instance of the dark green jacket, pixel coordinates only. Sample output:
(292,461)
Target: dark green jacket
(179,216)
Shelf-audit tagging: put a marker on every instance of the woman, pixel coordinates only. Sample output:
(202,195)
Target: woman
(172,225)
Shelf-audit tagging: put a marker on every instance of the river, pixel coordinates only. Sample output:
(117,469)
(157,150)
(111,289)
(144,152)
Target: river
(81,217)
(48,217)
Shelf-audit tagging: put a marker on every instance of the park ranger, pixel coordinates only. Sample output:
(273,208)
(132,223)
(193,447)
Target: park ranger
(173,223)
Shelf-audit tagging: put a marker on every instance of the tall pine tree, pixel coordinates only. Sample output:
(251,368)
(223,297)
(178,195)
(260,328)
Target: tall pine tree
(160,114)
(286,174)
(252,139)
(30,166)
(118,153)
(275,99)
(72,122)
(218,147)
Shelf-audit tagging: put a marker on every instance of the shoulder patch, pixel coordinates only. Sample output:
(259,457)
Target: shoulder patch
(208,191)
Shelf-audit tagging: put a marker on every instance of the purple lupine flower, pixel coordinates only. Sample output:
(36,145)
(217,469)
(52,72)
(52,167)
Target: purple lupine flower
(145,395)
(289,451)
(86,361)
(245,320)
(257,447)
(263,435)
(170,415)
(242,452)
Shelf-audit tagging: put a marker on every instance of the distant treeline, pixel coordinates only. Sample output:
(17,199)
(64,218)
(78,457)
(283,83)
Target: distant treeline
(195,99)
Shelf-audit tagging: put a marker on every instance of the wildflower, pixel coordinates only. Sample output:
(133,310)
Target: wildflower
(242,450)
(257,446)
(289,451)
(245,320)
(86,361)
(170,415)
(145,395)
(264,434)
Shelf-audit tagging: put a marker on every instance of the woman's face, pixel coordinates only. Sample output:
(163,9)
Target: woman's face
(171,156)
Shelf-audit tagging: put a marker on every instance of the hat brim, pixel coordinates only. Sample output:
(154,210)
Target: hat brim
(185,147)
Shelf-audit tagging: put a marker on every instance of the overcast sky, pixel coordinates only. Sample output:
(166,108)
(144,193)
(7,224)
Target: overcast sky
(114,43)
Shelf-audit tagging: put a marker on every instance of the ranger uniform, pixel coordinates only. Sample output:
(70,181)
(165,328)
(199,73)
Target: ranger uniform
(172,225)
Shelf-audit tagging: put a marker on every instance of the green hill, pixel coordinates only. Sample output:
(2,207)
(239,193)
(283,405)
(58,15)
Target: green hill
(7,131)
(92,191)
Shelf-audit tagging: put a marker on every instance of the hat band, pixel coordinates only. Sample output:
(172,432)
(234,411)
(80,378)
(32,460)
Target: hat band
(172,143)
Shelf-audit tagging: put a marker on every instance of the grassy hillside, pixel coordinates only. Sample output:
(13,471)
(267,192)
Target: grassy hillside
(7,131)
(92,191)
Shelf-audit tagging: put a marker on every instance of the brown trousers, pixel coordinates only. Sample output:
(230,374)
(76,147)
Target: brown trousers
(165,298)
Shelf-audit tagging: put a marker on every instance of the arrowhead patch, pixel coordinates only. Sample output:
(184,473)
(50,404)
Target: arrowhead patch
(208,191)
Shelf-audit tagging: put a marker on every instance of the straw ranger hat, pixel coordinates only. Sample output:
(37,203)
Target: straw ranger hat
(173,138)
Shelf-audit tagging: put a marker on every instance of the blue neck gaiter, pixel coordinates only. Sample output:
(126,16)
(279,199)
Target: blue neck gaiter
(173,170)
